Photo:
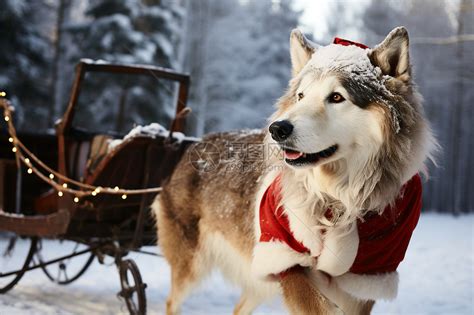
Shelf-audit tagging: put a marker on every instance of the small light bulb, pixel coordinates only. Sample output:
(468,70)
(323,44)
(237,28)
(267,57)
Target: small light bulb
(116,188)
(64,185)
(30,171)
(124,196)
(76,199)
(94,193)
(10,139)
(27,160)
(7,118)
(14,149)
(60,193)
(3,94)
(51,176)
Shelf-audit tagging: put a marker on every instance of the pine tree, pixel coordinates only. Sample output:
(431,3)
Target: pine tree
(131,31)
(24,63)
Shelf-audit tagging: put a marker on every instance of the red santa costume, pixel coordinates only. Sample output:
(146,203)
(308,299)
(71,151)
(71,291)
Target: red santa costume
(363,262)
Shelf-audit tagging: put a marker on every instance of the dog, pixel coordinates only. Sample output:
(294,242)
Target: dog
(292,209)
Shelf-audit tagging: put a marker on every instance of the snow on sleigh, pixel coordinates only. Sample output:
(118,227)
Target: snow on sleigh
(90,196)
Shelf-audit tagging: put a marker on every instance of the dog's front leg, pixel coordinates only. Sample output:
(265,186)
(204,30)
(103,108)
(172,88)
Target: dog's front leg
(301,296)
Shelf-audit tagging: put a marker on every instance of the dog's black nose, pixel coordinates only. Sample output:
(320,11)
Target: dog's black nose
(280,130)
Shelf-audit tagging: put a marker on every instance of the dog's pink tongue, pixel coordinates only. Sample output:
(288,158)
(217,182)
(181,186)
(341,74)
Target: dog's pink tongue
(292,155)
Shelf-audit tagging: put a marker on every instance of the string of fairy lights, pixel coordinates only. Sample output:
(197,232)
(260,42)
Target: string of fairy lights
(61,183)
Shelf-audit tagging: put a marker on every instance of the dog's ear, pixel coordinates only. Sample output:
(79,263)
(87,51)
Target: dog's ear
(392,55)
(301,50)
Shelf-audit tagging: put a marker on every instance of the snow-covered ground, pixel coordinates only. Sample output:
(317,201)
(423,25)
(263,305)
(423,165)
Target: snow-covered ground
(437,277)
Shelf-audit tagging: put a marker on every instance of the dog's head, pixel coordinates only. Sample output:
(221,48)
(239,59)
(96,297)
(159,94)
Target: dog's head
(335,104)
(355,107)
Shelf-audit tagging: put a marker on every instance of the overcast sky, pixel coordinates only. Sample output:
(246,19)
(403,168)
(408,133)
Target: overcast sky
(317,12)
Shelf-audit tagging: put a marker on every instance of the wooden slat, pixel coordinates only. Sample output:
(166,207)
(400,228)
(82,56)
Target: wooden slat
(39,225)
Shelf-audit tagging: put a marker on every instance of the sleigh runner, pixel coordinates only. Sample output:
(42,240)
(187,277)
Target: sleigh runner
(109,221)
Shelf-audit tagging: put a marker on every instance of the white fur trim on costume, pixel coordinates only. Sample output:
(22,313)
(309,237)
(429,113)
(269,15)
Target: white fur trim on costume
(339,252)
(272,258)
(370,287)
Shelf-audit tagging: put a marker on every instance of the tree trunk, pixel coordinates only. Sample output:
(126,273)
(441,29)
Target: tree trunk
(197,23)
(460,139)
(55,88)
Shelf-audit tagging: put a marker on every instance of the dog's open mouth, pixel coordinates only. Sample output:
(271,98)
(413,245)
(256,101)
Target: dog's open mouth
(299,158)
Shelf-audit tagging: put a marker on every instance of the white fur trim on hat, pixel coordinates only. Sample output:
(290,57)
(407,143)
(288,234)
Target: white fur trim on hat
(272,258)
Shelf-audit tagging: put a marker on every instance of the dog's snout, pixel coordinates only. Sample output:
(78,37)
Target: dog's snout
(280,130)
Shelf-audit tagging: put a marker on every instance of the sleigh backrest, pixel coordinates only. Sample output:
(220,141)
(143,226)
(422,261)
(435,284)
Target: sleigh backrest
(136,163)
(71,148)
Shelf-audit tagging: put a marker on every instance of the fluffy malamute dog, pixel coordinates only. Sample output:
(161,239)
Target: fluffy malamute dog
(321,207)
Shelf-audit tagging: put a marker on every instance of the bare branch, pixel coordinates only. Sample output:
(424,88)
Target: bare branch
(443,40)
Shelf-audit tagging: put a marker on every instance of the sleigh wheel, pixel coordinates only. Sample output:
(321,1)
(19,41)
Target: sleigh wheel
(67,270)
(133,288)
(15,256)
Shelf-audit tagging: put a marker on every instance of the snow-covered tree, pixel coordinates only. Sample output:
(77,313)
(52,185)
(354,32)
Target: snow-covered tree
(242,65)
(127,31)
(443,75)
(25,63)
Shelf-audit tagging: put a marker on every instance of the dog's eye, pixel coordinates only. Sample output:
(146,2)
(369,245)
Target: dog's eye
(336,98)
(300,96)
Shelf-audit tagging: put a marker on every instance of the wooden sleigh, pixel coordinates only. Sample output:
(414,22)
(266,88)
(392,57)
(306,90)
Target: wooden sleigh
(98,226)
